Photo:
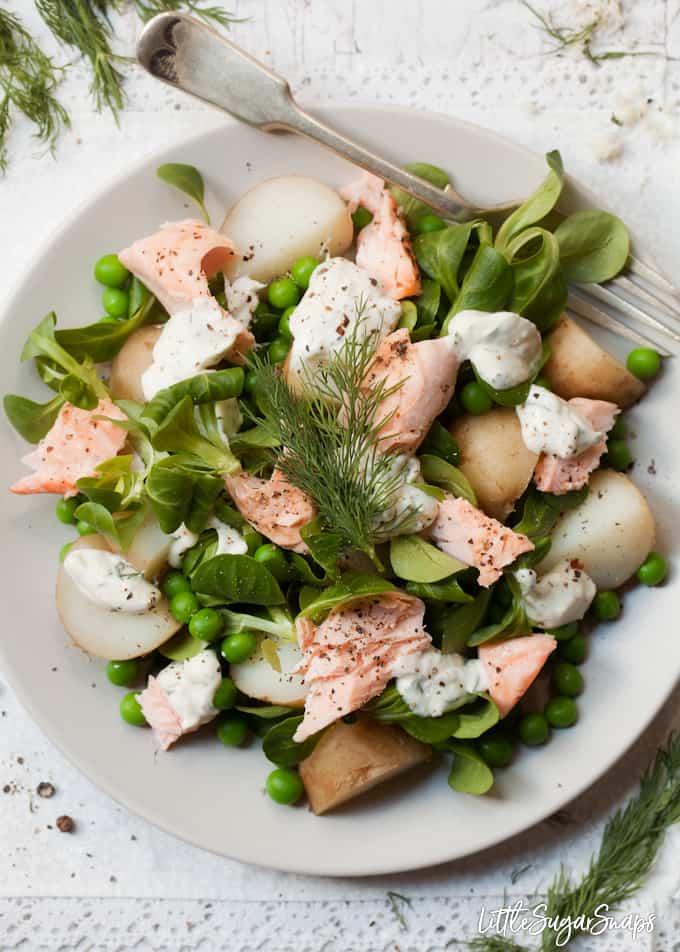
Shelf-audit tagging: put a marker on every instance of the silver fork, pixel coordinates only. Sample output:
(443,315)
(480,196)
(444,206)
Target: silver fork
(185,53)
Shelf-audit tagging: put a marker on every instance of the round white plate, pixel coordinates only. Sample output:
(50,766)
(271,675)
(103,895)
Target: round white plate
(213,796)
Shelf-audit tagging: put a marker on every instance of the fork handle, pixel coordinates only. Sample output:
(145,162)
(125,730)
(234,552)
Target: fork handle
(185,53)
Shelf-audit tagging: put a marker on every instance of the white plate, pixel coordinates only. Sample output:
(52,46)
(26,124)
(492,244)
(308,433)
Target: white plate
(213,796)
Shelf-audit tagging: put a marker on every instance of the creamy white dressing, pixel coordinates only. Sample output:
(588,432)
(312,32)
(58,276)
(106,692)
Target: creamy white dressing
(191,341)
(108,580)
(341,297)
(431,682)
(229,541)
(550,424)
(560,596)
(504,348)
(411,509)
(242,298)
(190,688)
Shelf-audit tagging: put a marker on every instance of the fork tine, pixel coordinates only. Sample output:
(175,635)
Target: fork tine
(606,296)
(589,312)
(656,297)
(639,269)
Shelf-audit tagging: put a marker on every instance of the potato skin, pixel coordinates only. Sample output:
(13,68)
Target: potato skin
(610,533)
(494,458)
(351,759)
(579,367)
(130,363)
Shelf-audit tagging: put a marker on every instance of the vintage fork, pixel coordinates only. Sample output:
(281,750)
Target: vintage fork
(185,53)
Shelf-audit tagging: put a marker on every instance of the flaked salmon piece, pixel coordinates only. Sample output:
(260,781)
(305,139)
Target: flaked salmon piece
(176,262)
(274,507)
(351,656)
(73,448)
(556,475)
(512,666)
(384,245)
(468,534)
(426,372)
(160,714)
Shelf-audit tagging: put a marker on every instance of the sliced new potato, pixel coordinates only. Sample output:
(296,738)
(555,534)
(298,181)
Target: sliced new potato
(351,759)
(579,367)
(149,549)
(131,361)
(256,677)
(494,458)
(611,532)
(282,219)
(115,636)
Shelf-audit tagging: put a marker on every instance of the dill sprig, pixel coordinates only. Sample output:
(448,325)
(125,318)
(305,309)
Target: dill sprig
(28,79)
(328,436)
(581,37)
(84,25)
(150,8)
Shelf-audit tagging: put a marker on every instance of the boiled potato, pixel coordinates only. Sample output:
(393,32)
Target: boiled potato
(114,636)
(579,367)
(494,458)
(611,532)
(131,361)
(282,219)
(149,549)
(256,677)
(351,759)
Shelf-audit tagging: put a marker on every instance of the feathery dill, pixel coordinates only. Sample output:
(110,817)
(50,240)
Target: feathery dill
(84,25)
(328,438)
(494,943)
(580,37)
(215,14)
(28,79)
(397,904)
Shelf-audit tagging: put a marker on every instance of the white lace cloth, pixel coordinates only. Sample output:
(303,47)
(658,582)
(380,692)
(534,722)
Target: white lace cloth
(116,883)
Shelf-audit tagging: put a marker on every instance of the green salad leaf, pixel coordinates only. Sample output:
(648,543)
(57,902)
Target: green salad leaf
(455,627)
(440,443)
(487,285)
(101,342)
(237,578)
(324,546)
(593,246)
(350,587)
(409,316)
(540,289)
(187,179)
(203,388)
(513,623)
(181,647)
(268,712)
(169,489)
(412,208)
(415,560)
(537,206)
(32,420)
(427,302)
(448,590)
(279,747)
(277,622)
(440,254)
(179,433)
(476,719)
(439,471)
(469,773)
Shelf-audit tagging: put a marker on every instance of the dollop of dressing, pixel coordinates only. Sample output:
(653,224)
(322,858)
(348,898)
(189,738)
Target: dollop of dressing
(191,341)
(550,424)
(190,688)
(229,541)
(411,509)
(431,682)
(341,297)
(560,596)
(504,348)
(242,298)
(108,580)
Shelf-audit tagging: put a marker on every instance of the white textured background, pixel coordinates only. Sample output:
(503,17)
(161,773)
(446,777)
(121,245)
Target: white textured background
(117,883)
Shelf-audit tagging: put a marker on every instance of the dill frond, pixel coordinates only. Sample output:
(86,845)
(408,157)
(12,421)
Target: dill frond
(28,79)
(494,943)
(84,25)
(580,37)
(211,14)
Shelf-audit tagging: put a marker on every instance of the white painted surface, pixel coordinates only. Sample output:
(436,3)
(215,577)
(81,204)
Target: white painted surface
(483,61)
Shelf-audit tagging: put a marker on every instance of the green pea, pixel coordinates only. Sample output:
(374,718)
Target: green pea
(65,510)
(252,538)
(131,711)
(303,269)
(283,293)
(619,455)
(361,217)
(475,399)
(232,730)
(533,729)
(278,350)
(225,695)
(574,651)
(183,605)
(64,550)
(565,632)
(138,296)
(206,624)
(122,673)
(115,302)
(174,583)
(273,558)
(644,363)
(238,647)
(618,431)
(497,749)
(653,570)
(561,712)
(110,272)
(284,786)
(567,679)
(84,528)
(542,382)
(428,224)
(284,324)
(606,606)
(250,383)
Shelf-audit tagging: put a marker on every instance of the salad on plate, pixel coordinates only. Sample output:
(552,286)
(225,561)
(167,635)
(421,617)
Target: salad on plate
(345,477)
